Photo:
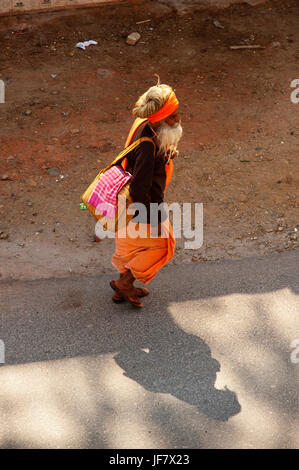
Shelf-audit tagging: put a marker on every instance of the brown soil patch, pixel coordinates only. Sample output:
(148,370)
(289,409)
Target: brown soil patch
(238,156)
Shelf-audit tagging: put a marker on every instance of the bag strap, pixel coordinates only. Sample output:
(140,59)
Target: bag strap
(127,150)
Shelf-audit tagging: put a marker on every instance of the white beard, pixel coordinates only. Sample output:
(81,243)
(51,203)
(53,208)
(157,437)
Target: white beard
(169,137)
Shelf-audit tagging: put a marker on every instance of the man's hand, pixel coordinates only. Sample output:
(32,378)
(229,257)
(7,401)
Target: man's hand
(171,154)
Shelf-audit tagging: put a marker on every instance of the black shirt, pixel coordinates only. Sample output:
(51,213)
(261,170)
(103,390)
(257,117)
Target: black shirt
(148,170)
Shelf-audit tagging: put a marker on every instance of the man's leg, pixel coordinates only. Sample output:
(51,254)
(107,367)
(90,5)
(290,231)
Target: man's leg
(124,286)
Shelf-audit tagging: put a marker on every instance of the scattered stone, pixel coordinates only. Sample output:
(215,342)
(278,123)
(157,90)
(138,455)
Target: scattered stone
(275,44)
(3,236)
(53,172)
(30,204)
(5,177)
(54,92)
(75,131)
(294,234)
(27,112)
(218,24)
(133,38)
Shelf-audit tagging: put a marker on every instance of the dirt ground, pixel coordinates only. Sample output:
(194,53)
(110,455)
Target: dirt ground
(70,110)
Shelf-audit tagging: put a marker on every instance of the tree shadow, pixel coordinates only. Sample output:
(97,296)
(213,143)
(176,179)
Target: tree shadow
(56,319)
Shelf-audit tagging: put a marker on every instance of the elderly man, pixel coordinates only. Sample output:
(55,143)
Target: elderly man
(150,163)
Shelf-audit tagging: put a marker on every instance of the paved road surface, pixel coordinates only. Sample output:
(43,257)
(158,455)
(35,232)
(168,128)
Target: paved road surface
(205,364)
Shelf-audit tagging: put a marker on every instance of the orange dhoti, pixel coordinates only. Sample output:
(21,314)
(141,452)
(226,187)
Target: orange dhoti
(144,256)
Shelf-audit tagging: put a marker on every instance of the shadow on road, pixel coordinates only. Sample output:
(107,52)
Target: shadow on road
(71,318)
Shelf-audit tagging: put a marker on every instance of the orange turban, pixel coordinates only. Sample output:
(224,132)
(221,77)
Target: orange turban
(167,109)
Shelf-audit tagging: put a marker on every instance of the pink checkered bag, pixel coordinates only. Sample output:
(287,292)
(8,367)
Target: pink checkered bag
(102,195)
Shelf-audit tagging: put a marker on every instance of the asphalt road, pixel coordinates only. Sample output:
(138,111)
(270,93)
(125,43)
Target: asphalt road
(207,363)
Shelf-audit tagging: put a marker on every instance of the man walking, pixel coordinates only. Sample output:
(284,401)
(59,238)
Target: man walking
(151,166)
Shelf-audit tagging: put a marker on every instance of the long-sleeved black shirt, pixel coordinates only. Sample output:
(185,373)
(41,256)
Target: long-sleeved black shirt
(148,170)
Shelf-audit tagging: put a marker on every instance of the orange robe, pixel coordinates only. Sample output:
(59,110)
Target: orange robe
(144,256)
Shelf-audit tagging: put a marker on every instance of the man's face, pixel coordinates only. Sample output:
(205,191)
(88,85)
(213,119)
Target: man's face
(173,119)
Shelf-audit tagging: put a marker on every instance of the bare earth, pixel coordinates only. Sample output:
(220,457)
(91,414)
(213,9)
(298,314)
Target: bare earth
(238,155)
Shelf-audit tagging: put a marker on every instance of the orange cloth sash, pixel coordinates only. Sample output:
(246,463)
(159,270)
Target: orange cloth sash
(169,107)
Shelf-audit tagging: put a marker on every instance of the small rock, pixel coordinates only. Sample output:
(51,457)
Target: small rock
(218,24)
(275,44)
(53,172)
(29,204)
(5,177)
(75,131)
(27,112)
(133,38)
(3,236)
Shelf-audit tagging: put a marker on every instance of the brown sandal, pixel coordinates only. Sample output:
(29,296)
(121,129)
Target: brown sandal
(133,300)
(140,292)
